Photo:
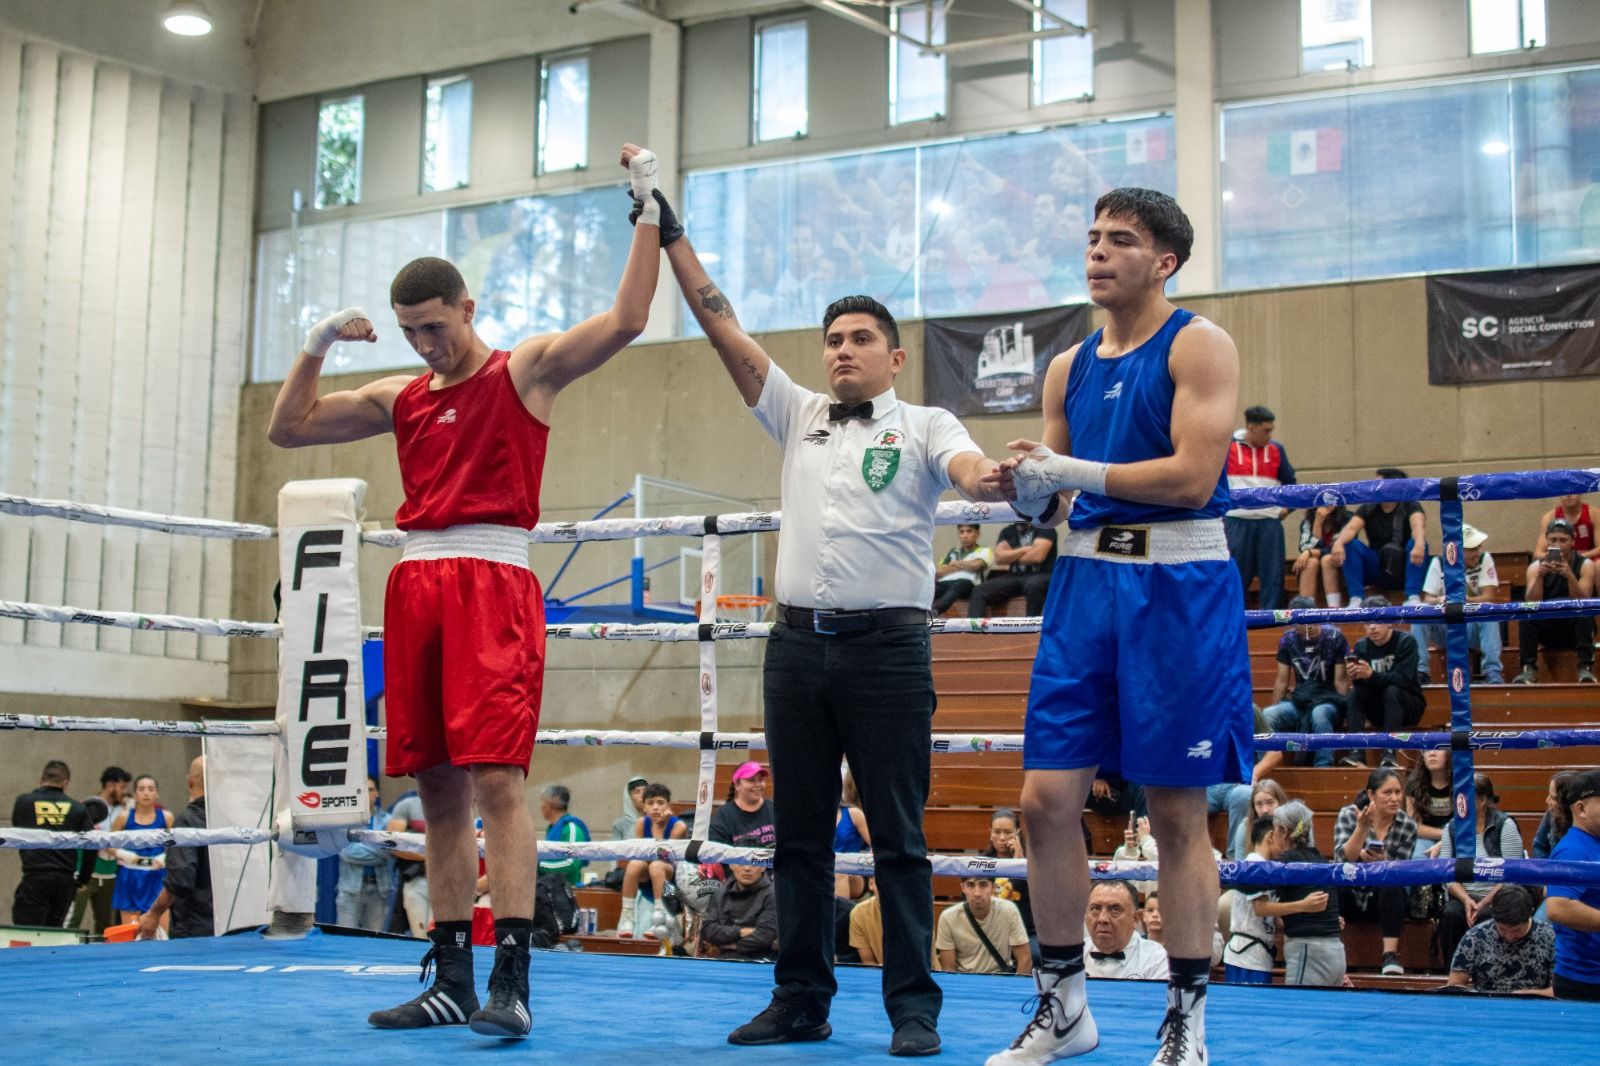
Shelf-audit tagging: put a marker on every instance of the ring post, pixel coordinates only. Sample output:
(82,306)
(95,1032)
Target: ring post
(1458,672)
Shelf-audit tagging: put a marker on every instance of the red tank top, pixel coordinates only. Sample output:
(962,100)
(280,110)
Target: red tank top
(1582,528)
(469,453)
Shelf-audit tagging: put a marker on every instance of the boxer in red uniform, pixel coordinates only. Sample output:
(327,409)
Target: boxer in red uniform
(463,614)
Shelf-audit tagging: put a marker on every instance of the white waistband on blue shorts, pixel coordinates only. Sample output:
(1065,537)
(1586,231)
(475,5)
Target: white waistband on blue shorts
(497,544)
(1193,540)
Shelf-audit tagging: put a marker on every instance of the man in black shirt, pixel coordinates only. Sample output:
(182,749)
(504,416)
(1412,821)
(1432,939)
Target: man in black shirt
(1384,691)
(49,878)
(1561,574)
(1394,556)
(1031,556)
(187,888)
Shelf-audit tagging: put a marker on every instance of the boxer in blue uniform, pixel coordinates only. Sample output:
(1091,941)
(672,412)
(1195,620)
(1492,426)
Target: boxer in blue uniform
(1143,666)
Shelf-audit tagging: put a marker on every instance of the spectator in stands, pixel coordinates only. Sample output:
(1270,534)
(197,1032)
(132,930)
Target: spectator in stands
(1551,827)
(1376,828)
(1575,909)
(563,826)
(1150,917)
(96,896)
(1496,836)
(140,870)
(850,836)
(1319,528)
(186,890)
(1029,555)
(1250,951)
(1006,842)
(1313,952)
(745,818)
(632,808)
(1559,574)
(1308,693)
(1394,556)
(1430,801)
(1255,534)
(366,875)
(1138,845)
(1575,513)
(866,927)
(50,878)
(982,934)
(1483,581)
(743,921)
(1384,691)
(658,823)
(1115,948)
(960,571)
(1266,796)
(407,816)
(1513,953)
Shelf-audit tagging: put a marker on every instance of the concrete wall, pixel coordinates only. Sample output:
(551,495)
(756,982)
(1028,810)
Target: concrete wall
(1344,368)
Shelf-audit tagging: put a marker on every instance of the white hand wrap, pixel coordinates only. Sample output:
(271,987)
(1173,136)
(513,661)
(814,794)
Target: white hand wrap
(1043,473)
(325,334)
(641,183)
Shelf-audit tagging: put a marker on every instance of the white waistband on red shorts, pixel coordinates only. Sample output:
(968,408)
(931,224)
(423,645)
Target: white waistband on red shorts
(497,544)
(1191,540)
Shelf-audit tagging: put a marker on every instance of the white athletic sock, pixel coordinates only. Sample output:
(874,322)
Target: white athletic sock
(1335,599)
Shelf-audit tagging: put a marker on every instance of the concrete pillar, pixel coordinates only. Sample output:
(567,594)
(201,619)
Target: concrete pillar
(1198,148)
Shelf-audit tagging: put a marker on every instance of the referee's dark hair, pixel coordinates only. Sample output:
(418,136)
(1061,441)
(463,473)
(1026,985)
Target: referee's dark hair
(863,305)
(1255,416)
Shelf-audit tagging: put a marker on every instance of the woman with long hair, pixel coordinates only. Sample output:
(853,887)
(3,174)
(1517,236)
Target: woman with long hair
(140,871)
(1006,842)
(1554,825)
(1266,796)
(1318,527)
(1430,800)
(1376,828)
(850,836)
(1495,836)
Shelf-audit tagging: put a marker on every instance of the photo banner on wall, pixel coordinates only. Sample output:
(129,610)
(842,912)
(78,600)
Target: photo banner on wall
(1514,325)
(995,364)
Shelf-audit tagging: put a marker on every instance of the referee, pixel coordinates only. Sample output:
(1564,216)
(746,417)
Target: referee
(848,665)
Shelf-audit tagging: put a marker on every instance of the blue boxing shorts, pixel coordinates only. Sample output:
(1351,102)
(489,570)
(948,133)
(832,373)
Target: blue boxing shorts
(1143,667)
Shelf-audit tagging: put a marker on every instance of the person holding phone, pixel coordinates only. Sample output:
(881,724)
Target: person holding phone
(1384,690)
(1376,828)
(1561,574)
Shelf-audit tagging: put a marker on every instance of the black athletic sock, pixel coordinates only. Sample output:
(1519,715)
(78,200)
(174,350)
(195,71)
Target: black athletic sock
(1186,982)
(1061,959)
(513,932)
(451,934)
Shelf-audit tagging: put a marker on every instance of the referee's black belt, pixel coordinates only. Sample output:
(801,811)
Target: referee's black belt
(833,622)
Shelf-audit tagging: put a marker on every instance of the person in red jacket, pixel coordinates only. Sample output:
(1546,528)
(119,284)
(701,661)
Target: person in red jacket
(1255,534)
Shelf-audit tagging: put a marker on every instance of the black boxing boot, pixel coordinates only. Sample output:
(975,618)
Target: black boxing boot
(506,1014)
(451,999)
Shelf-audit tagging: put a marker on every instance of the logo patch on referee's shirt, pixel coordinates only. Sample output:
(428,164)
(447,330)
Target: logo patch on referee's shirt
(879,466)
(1123,541)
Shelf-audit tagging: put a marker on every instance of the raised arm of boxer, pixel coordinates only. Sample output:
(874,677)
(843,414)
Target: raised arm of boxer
(301,417)
(542,366)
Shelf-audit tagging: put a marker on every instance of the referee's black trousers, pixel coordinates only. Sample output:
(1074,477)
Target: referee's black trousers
(868,696)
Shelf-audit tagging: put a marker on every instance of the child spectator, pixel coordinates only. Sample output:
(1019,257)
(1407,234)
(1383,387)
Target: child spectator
(743,920)
(960,571)
(1319,527)
(1247,958)
(1266,796)
(658,823)
(1313,953)
(632,808)
(1376,828)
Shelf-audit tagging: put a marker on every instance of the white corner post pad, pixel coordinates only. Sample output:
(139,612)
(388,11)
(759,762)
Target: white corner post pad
(321,778)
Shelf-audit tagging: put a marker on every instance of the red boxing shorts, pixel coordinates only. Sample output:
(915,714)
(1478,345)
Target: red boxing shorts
(463,657)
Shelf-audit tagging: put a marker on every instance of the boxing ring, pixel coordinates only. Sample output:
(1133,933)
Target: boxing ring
(202,1000)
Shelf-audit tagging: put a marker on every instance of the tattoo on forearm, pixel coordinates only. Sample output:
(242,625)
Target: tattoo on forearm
(753,370)
(713,300)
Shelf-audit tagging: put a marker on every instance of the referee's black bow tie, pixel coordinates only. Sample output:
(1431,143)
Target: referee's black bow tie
(838,412)
(1102,956)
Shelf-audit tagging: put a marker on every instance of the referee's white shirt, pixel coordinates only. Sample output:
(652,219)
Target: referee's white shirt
(1146,961)
(843,545)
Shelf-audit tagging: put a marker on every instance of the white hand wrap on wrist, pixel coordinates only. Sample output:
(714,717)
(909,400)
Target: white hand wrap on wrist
(325,334)
(641,183)
(1044,472)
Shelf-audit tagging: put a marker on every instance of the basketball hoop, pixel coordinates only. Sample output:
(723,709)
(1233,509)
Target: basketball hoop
(742,608)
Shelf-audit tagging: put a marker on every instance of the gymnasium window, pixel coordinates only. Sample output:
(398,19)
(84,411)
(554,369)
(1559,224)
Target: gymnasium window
(447,141)
(564,113)
(780,100)
(1462,175)
(1506,25)
(1335,35)
(916,81)
(339,151)
(1063,67)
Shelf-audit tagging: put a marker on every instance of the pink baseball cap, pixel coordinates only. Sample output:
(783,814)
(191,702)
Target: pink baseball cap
(749,769)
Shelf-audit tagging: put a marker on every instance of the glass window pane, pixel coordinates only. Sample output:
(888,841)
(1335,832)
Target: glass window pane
(447,140)
(339,152)
(916,81)
(1335,34)
(780,76)
(564,114)
(1506,25)
(1063,67)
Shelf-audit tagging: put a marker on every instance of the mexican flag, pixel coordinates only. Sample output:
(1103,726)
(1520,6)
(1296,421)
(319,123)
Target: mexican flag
(1144,146)
(1305,151)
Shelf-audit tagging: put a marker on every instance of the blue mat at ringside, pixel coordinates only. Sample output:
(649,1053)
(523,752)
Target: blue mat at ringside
(243,999)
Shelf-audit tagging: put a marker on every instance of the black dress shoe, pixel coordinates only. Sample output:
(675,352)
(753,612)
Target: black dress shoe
(915,1036)
(782,1022)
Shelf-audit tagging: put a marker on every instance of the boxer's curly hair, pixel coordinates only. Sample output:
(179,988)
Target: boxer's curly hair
(863,305)
(1156,212)
(424,279)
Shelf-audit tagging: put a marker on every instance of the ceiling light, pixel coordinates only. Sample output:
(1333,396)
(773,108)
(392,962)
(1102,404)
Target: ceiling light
(1496,148)
(187,18)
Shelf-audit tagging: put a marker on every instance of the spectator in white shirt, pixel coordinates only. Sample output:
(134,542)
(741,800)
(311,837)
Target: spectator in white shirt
(1482,581)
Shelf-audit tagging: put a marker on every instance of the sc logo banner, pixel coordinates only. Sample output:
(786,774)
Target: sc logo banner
(1483,326)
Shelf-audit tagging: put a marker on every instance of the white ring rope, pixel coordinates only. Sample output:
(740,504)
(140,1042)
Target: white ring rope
(96,514)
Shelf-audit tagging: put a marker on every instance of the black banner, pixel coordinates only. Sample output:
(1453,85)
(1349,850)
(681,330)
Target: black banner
(995,364)
(1514,325)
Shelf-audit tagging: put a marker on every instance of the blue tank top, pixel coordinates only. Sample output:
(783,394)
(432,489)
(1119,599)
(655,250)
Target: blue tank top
(846,837)
(159,823)
(1119,410)
(666,833)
